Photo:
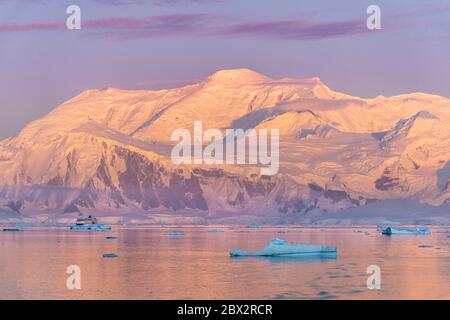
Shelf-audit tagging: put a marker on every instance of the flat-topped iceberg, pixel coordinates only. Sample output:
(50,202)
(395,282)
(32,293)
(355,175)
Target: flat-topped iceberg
(394,231)
(280,247)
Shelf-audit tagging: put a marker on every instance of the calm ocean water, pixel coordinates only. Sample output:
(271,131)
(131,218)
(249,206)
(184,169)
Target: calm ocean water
(151,265)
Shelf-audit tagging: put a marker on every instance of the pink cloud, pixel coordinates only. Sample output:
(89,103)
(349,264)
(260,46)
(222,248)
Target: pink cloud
(201,24)
(32,27)
(155,25)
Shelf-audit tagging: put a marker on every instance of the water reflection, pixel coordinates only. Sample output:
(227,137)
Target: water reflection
(197,266)
(292,258)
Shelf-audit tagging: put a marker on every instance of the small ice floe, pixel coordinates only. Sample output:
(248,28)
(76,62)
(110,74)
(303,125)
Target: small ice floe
(13,229)
(279,247)
(91,227)
(253,226)
(425,246)
(215,230)
(110,255)
(281,231)
(111,238)
(174,233)
(394,231)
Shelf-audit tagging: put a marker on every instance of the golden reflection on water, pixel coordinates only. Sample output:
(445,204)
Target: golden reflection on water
(152,265)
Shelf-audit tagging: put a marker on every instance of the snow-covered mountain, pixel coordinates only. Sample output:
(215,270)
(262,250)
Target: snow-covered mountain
(109,151)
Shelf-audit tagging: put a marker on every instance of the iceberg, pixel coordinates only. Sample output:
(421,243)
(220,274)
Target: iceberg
(110,255)
(91,227)
(396,231)
(13,229)
(174,233)
(279,247)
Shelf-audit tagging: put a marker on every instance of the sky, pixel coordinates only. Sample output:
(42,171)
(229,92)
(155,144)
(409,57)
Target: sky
(154,44)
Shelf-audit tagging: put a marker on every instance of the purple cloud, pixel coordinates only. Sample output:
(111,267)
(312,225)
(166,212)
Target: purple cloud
(163,25)
(126,2)
(154,2)
(201,24)
(149,27)
(180,2)
(297,29)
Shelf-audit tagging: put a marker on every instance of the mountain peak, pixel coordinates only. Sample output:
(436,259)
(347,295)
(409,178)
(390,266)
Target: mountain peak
(423,123)
(424,115)
(237,75)
(415,120)
(316,79)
